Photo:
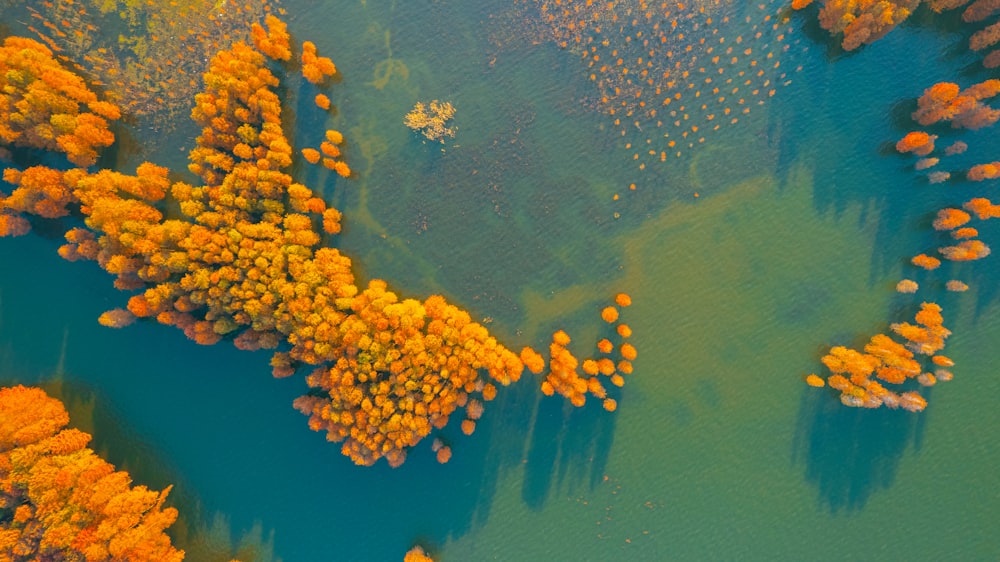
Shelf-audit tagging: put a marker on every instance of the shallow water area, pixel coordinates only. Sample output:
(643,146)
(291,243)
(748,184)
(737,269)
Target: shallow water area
(746,258)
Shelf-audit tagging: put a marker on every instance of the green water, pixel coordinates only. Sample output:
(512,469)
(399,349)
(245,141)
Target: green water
(718,451)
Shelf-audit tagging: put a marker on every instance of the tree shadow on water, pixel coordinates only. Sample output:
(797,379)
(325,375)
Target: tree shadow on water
(569,446)
(851,453)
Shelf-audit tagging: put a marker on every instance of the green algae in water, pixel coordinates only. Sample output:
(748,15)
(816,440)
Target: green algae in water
(717,450)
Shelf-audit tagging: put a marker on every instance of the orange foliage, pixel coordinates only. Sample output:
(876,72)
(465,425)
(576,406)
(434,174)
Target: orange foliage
(966,250)
(331,221)
(609,314)
(890,361)
(605,346)
(862,22)
(560,337)
(983,90)
(967,232)
(444,454)
(322,101)
(948,219)
(468,427)
(942,361)
(842,360)
(42,104)
(623,300)
(275,42)
(311,155)
(982,172)
(982,208)
(925,261)
(11,225)
(547,388)
(433,352)
(242,260)
(39,191)
(564,378)
(533,360)
(926,379)
(315,68)
(928,337)
(917,142)
(417,554)
(489,391)
(605,366)
(328,149)
(945,102)
(815,380)
(342,169)
(68,503)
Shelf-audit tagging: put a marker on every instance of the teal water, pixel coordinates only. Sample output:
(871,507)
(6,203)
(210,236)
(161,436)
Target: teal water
(718,451)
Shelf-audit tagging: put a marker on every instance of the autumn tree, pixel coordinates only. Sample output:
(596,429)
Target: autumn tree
(60,501)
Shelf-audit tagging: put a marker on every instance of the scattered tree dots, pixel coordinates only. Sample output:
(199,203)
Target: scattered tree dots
(670,74)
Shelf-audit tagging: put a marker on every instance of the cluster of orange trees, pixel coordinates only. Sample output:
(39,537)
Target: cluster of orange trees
(44,105)
(241,260)
(564,377)
(864,22)
(964,109)
(60,501)
(859,376)
(328,151)
(946,101)
(151,63)
(861,23)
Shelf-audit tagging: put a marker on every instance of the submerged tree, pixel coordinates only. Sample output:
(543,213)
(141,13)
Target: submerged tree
(431,119)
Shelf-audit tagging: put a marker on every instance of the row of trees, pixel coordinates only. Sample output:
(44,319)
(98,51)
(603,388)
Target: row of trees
(860,376)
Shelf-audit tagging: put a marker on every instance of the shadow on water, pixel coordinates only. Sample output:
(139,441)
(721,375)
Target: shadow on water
(949,26)
(568,447)
(860,165)
(851,453)
(562,447)
(807,21)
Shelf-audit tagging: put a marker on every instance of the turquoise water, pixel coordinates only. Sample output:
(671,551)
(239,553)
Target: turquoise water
(718,451)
